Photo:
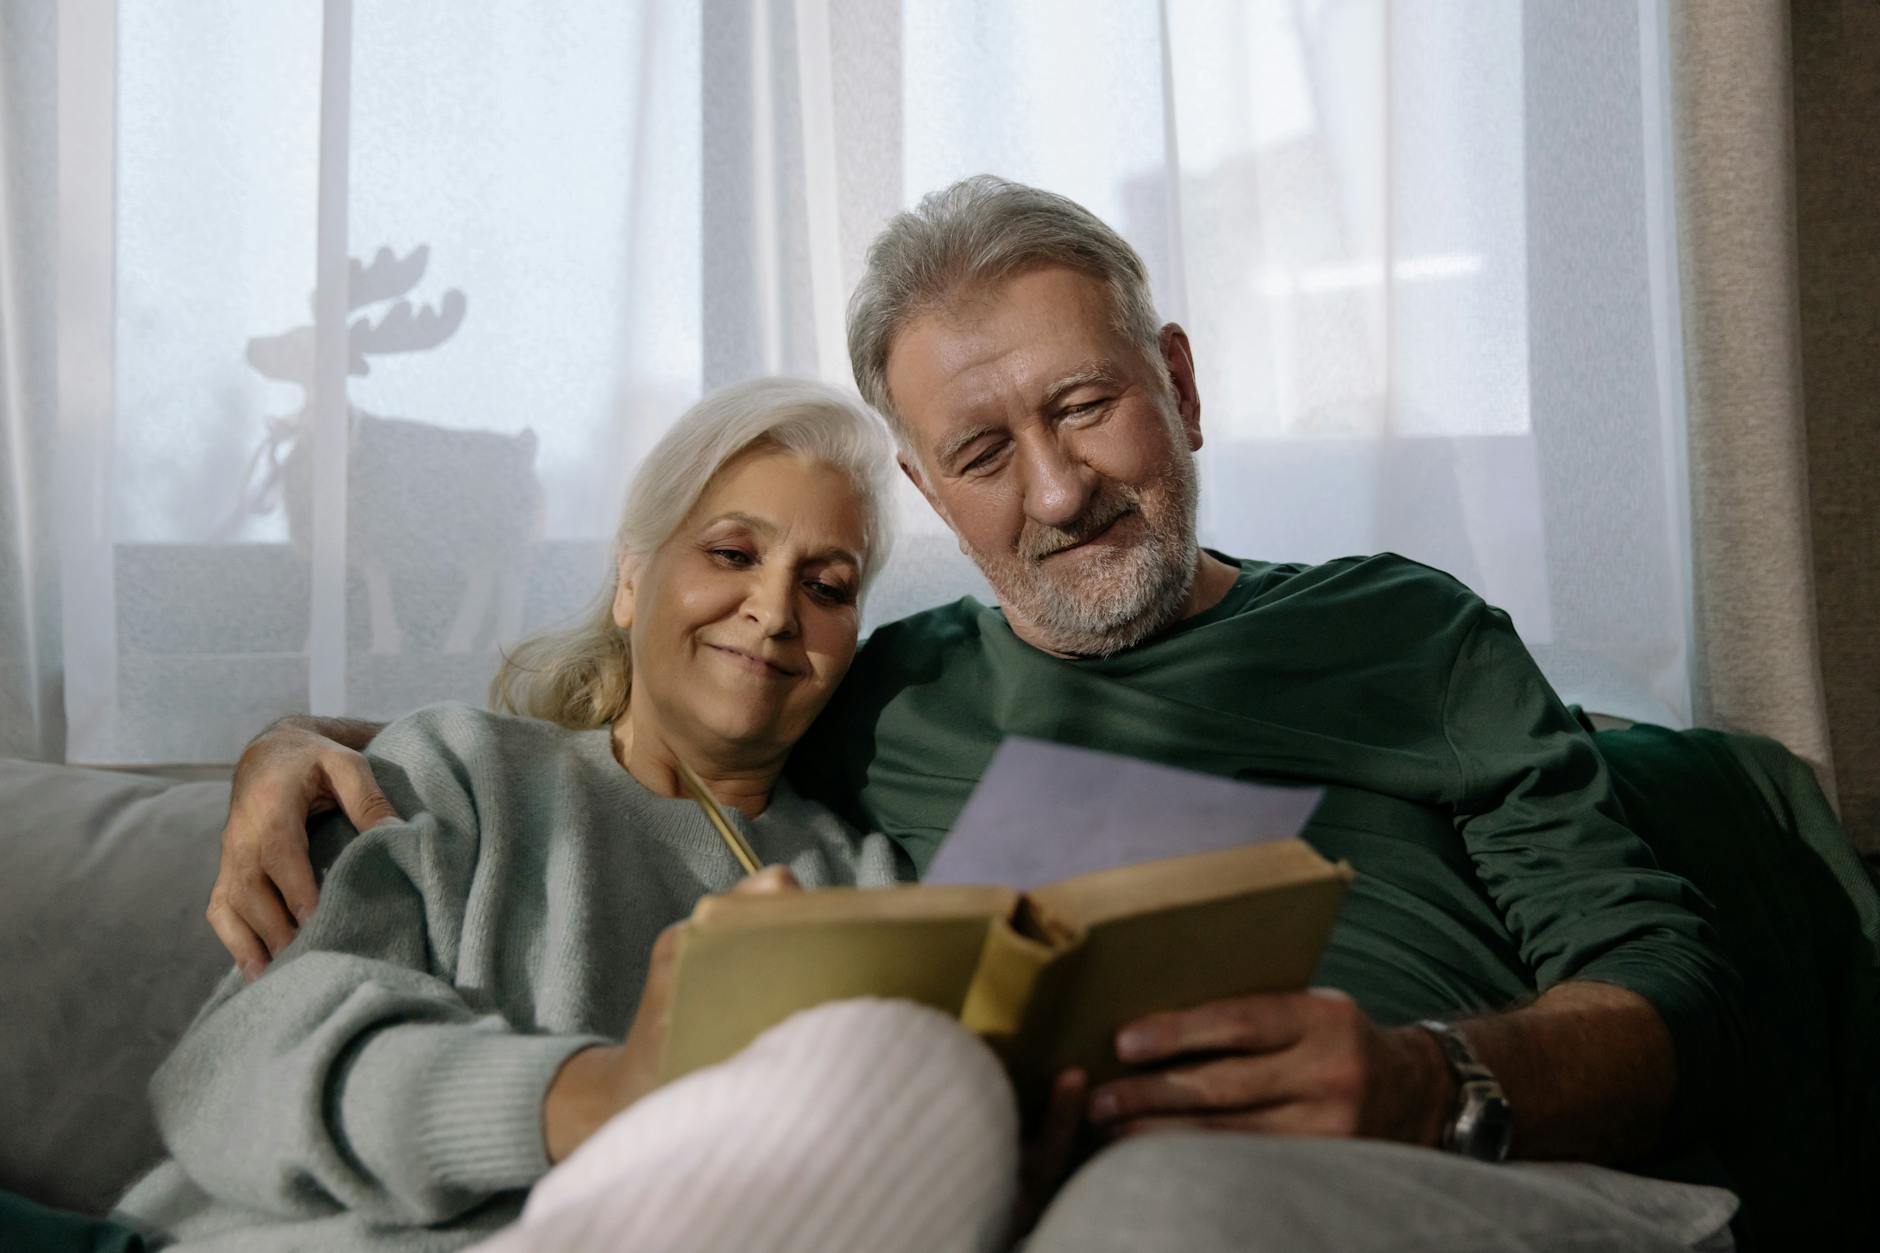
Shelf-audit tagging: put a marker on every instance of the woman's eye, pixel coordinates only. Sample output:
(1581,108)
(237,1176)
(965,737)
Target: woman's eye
(732,557)
(828,593)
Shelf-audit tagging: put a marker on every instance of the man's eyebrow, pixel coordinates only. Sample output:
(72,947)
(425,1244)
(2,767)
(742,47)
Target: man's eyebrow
(960,442)
(1083,376)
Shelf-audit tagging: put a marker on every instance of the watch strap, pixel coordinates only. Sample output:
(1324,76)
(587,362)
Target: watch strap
(1480,1126)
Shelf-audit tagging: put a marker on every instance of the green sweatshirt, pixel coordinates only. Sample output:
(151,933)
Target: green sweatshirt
(1492,859)
(381,1086)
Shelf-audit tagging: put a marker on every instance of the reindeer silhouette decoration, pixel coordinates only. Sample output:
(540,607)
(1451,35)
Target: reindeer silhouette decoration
(422,498)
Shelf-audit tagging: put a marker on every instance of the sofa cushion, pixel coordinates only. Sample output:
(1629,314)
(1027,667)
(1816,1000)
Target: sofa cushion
(104,959)
(1798,1127)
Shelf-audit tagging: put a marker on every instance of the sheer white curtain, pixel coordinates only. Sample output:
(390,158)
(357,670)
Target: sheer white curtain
(366,311)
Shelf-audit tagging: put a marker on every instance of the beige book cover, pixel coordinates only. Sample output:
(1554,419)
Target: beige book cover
(1046,976)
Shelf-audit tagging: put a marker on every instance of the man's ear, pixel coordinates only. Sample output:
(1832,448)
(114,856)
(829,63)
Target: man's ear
(1180,360)
(623,595)
(920,485)
(915,477)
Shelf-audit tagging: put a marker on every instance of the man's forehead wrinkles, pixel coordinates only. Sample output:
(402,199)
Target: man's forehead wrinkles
(1094,371)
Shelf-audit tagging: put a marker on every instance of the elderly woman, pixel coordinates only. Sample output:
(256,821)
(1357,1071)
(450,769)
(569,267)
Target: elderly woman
(482,987)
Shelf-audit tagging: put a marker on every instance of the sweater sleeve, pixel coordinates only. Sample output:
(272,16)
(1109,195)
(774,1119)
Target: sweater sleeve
(1579,891)
(354,1075)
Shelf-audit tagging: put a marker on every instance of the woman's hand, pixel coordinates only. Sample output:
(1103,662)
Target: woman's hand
(597,1083)
(264,889)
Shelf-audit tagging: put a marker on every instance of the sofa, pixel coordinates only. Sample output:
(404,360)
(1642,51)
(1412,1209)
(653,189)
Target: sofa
(104,958)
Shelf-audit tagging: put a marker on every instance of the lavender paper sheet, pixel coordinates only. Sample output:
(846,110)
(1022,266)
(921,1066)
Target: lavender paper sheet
(1044,812)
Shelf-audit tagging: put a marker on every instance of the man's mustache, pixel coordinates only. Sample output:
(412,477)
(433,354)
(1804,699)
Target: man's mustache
(1036,541)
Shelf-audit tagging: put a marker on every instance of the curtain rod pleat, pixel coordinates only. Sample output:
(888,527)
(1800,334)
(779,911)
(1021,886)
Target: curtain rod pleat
(327,407)
(87,372)
(815,80)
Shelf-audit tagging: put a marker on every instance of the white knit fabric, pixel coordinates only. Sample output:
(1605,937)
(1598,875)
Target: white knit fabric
(868,1125)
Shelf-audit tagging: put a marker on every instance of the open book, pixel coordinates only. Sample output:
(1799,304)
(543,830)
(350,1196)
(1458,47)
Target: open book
(1045,973)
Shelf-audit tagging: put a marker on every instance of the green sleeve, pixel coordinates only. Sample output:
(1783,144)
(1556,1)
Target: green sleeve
(1579,891)
(353,1075)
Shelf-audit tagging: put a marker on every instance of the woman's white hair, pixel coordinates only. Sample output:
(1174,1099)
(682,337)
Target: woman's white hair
(962,238)
(581,676)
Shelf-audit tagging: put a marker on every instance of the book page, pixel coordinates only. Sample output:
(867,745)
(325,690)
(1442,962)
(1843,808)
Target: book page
(1044,812)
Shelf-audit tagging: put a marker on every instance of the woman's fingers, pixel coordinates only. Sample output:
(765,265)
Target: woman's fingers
(769,880)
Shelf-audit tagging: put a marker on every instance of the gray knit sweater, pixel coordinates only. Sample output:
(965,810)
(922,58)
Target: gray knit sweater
(381,1086)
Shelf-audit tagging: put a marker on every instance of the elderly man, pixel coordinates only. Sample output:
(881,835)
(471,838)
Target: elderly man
(1511,972)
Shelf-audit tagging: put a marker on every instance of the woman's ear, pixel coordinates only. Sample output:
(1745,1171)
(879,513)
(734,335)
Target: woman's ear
(623,596)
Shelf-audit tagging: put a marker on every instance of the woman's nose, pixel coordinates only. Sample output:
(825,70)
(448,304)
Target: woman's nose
(771,603)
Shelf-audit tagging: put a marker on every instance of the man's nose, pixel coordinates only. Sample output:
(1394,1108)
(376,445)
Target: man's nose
(1057,485)
(770,602)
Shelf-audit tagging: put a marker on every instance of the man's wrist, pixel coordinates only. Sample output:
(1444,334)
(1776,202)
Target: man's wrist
(347,732)
(1481,1123)
(1428,1086)
(1443,1087)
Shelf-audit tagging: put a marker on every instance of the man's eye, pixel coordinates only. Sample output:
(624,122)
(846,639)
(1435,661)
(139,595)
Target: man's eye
(984,461)
(1087,409)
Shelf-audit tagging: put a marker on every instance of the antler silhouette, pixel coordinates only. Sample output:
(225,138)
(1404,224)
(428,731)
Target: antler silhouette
(404,329)
(387,278)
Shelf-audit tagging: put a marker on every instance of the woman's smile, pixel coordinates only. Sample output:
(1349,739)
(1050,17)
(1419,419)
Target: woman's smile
(750,663)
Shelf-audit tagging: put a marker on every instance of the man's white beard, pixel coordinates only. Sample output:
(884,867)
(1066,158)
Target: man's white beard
(1117,597)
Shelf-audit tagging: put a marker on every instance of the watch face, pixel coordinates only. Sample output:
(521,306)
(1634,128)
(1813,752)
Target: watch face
(1485,1128)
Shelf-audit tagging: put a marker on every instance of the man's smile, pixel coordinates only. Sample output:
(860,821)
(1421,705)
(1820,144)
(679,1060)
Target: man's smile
(1107,531)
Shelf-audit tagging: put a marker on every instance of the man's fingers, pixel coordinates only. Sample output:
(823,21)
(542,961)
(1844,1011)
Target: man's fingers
(1057,1135)
(1230,1084)
(249,919)
(237,937)
(1248,1024)
(1049,1151)
(349,777)
(293,879)
(260,906)
(287,865)
(1290,1118)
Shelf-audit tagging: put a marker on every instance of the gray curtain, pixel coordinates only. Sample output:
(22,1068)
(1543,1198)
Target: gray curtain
(32,713)
(1835,49)
(1780,259)
(1758,667)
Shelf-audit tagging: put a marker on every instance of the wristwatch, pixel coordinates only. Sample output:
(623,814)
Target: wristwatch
(1482,1124)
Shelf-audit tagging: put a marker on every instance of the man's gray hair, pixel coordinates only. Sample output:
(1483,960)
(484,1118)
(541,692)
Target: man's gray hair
(966,237)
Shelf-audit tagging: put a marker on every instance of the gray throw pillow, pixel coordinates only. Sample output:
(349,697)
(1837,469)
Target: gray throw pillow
(104,959)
